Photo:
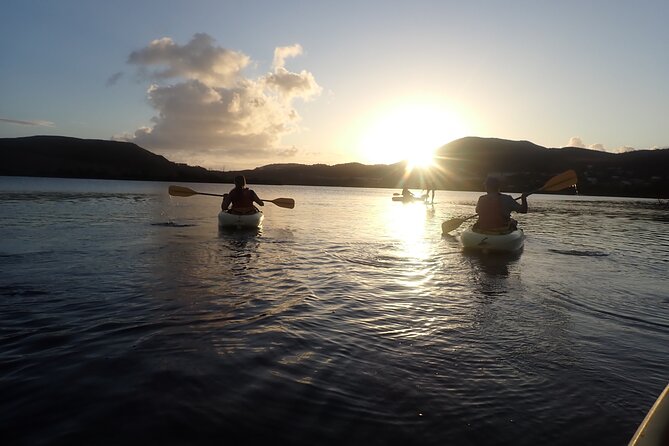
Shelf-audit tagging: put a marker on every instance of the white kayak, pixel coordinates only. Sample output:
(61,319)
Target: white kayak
(409,199)
(228,220)
(654,429)
(491,242)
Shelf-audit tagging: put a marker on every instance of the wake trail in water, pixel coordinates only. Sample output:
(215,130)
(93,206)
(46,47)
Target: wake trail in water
(594,310)
(171,224)
(574,252)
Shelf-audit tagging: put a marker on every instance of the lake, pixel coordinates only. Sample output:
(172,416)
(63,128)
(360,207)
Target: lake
(128,317)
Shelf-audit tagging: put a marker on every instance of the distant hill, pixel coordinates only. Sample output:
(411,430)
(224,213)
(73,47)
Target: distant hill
(461,165)
(60,156)
(464,163)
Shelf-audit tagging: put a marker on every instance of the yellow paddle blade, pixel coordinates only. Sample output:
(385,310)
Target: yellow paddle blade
(454,223)
(180,191)
(561,181)
(451,225)
(283,202)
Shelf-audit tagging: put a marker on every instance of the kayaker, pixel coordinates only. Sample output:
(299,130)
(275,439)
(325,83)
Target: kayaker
(241,198)
(494,208)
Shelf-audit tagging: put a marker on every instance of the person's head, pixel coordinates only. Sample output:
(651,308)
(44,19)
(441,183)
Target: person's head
(492,184)
(240,181)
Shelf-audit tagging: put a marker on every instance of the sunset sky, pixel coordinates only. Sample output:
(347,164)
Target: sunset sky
(239,84)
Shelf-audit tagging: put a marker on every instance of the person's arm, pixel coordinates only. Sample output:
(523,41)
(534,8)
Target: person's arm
(522,209)
(257,199)
(225,204)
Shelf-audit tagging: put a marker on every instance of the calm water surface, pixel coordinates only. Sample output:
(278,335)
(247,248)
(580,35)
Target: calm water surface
(127,317)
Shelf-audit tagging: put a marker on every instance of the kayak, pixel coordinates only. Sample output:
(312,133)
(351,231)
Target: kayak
(654,429)
(492,242)
(409,199)
(228,220)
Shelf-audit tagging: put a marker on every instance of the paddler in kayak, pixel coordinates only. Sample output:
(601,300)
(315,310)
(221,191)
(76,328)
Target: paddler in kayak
(241,198)
(494,208)
(406,193)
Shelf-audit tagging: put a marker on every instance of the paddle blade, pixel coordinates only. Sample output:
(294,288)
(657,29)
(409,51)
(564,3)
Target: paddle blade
(451,225)
(454,223)
(180,191)
(561,181)
(283,202)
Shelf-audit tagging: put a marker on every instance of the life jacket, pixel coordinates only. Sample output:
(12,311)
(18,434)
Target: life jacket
(242,199)
(491,214)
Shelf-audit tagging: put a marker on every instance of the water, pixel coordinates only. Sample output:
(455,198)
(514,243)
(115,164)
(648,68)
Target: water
(127,317)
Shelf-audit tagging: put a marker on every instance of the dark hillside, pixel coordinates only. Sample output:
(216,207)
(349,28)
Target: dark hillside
(58,156)
(461,165)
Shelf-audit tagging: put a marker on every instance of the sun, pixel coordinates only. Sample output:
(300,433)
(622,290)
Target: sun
(409,133)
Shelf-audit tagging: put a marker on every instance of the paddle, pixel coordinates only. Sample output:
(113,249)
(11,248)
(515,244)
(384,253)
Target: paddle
(558,182)
(181,191)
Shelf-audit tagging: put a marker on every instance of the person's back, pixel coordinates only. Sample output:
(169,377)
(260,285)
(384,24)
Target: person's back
(241,198)
(494,208)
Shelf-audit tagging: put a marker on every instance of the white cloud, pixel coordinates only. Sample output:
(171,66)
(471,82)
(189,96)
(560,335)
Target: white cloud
(624,149)
(213,110)
(293,85)
(576,141)
(283,52)
(198,59)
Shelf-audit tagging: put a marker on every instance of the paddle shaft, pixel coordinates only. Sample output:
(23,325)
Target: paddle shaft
(223,195)
(181,191)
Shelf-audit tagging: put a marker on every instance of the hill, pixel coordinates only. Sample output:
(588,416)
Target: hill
(464,163)
(64,157)
(460,165)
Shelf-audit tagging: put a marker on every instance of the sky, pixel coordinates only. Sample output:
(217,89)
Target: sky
(240,84)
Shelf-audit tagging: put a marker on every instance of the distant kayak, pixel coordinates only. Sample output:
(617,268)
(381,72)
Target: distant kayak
(491,242)
(228,220)
(408,199)
(654,429)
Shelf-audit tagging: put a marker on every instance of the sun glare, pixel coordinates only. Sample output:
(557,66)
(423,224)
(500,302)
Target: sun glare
(411,133)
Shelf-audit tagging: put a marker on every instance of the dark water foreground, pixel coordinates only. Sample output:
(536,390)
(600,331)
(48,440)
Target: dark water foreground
(127,317)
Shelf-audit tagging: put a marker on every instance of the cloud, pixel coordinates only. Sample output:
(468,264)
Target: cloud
(114,78)
(283,52)
(293,85)
(575,141)
(198,59)
(210,109)
(624,149)
(30,123)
